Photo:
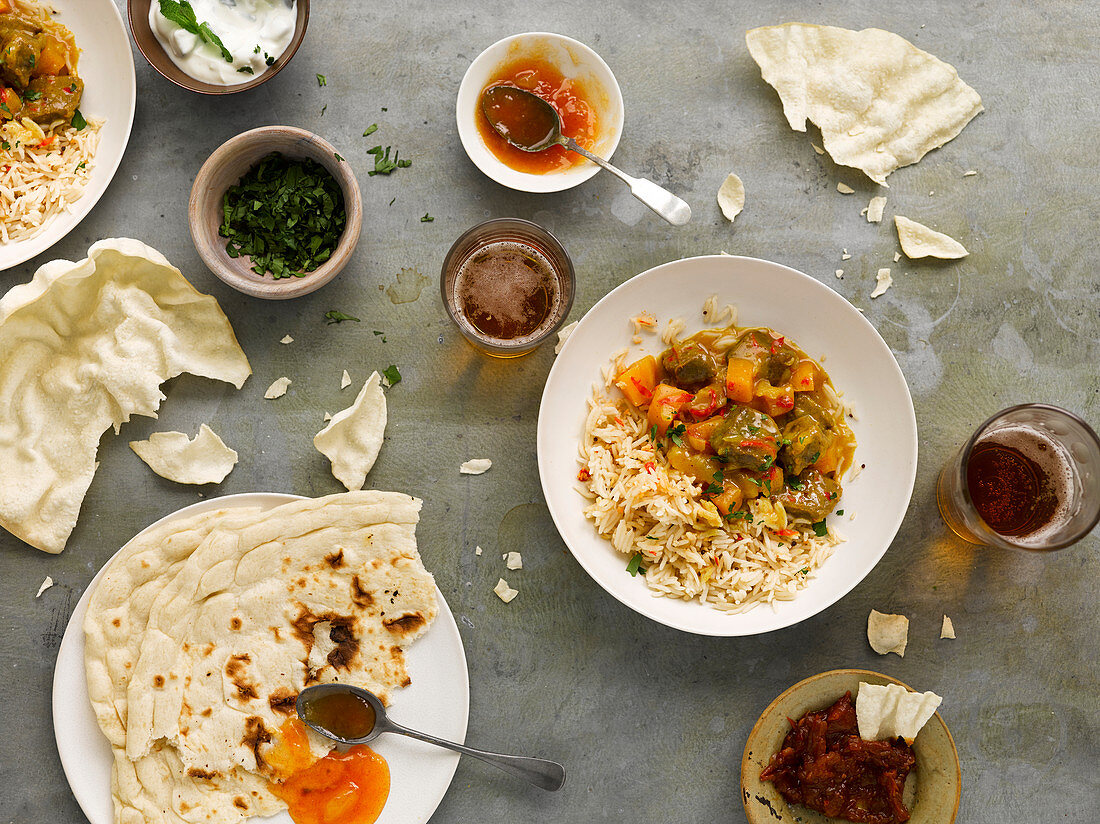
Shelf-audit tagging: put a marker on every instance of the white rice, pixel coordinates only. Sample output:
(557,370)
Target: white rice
(643,505)
(39,182)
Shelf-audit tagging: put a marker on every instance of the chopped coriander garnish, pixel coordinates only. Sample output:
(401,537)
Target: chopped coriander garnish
(29,95)
(382,163)
(840,512)
(385,109)
(804,571)
(714,489)
(794,483)
(257,49)
(338,156)
(5,145)
(79,165)
(427,218)
(336,316)
(739,516)
(674,433)
(323,109)
(391,375)
(653,433)
(635,565)
(269,59)
(820,529)
(814,457)
(322,80)
(402,164)
(287,215)
(371,129)
(392,200)
(246,70)
(181,13)
(78,122)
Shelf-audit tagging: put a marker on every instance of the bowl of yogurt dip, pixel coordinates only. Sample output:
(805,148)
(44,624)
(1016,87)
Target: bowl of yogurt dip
(212,47)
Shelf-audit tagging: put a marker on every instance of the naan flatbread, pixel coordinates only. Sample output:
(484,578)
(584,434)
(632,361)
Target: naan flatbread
(880,102)
(203,631)
(85,346)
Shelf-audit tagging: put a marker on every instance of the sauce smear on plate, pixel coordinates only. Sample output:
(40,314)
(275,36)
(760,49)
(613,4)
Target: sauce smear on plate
(568,97)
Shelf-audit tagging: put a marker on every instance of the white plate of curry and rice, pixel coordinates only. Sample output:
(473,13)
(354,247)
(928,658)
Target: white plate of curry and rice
(106,66)
(436,701)
(770,583)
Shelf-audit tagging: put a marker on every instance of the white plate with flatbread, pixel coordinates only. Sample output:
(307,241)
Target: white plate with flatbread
(110,94)
(437,701)
(828,328)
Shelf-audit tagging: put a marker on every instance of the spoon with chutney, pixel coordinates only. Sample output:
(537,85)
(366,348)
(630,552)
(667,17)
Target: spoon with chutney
(353,715)
(532,125)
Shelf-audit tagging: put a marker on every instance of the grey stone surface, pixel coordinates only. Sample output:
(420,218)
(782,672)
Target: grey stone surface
(650,722)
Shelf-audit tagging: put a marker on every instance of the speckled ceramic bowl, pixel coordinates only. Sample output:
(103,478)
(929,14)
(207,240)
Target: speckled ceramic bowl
(150,47)
(225,167)
(931,793)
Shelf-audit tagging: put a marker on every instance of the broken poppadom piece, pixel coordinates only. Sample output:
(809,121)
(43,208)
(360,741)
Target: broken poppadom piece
(731,197)
(887,632)
(353,438)
(918,241)
(888,711)
(172,455)
(475,466)
(880,102)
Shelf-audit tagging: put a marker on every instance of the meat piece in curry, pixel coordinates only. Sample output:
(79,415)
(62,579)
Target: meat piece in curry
(746,414)
(38,59)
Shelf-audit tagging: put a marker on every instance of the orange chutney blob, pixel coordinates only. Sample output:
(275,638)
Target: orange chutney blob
(570,99)
(341,788)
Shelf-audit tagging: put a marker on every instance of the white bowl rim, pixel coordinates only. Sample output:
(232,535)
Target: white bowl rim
(479,154)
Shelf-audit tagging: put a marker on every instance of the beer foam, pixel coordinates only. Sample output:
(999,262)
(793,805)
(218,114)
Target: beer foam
(1055,462)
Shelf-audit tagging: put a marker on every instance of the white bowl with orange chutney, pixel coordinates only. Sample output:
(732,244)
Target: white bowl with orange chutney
(565,73)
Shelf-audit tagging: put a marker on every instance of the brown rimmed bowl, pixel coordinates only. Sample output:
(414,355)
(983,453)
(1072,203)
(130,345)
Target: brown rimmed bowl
(225,167)
(150,47)
(932,792)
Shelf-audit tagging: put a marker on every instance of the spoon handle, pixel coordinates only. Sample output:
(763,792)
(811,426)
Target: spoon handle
(549,775)
(660,200)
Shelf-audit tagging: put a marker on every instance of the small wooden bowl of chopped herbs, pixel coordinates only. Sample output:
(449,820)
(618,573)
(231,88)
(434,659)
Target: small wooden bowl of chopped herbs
(275,212)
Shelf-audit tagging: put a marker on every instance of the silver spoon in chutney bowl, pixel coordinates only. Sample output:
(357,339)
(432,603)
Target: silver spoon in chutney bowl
(532,125)
(353,715)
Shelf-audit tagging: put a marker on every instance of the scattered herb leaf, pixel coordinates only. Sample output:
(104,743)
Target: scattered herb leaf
(336,316)
(391,375)
(5,146)
(246,70)
(635,564)
(382,163)
(29,95)
(840,512)
(322,80)
(674,433)
(820,529)
(338,156)
(371,129)
(78,121)
(323,109)
(427,218)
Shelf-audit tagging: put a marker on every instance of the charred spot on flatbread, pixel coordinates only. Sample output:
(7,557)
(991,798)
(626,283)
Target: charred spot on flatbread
(283,701)
(158,681)
(359,594)
(405,625)
(255,735)
(235,669)
(235,623)
(347,645)
(199,772)
(240,803)
(336,559)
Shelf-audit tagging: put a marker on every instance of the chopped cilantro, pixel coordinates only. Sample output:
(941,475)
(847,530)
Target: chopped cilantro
(804,571)
(323,109)
(820,529)
(257,49)
(840,512)
(322,80)
(382,163)
(814,457)
(78,122)
(246,70)
(80,165)
(653,433)
(338,156)
(29,95)
(740,515)
(718,476)
(391,375)
(674,433)
(795,483)
(181,13)
(635,564)
(269,59)
(371,129)
(336,316)
(714,489)
(427,218)
(287,215)
(5,145)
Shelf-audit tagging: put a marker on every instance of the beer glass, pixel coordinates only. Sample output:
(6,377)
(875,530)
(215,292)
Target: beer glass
(492,279)
(1029,478)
